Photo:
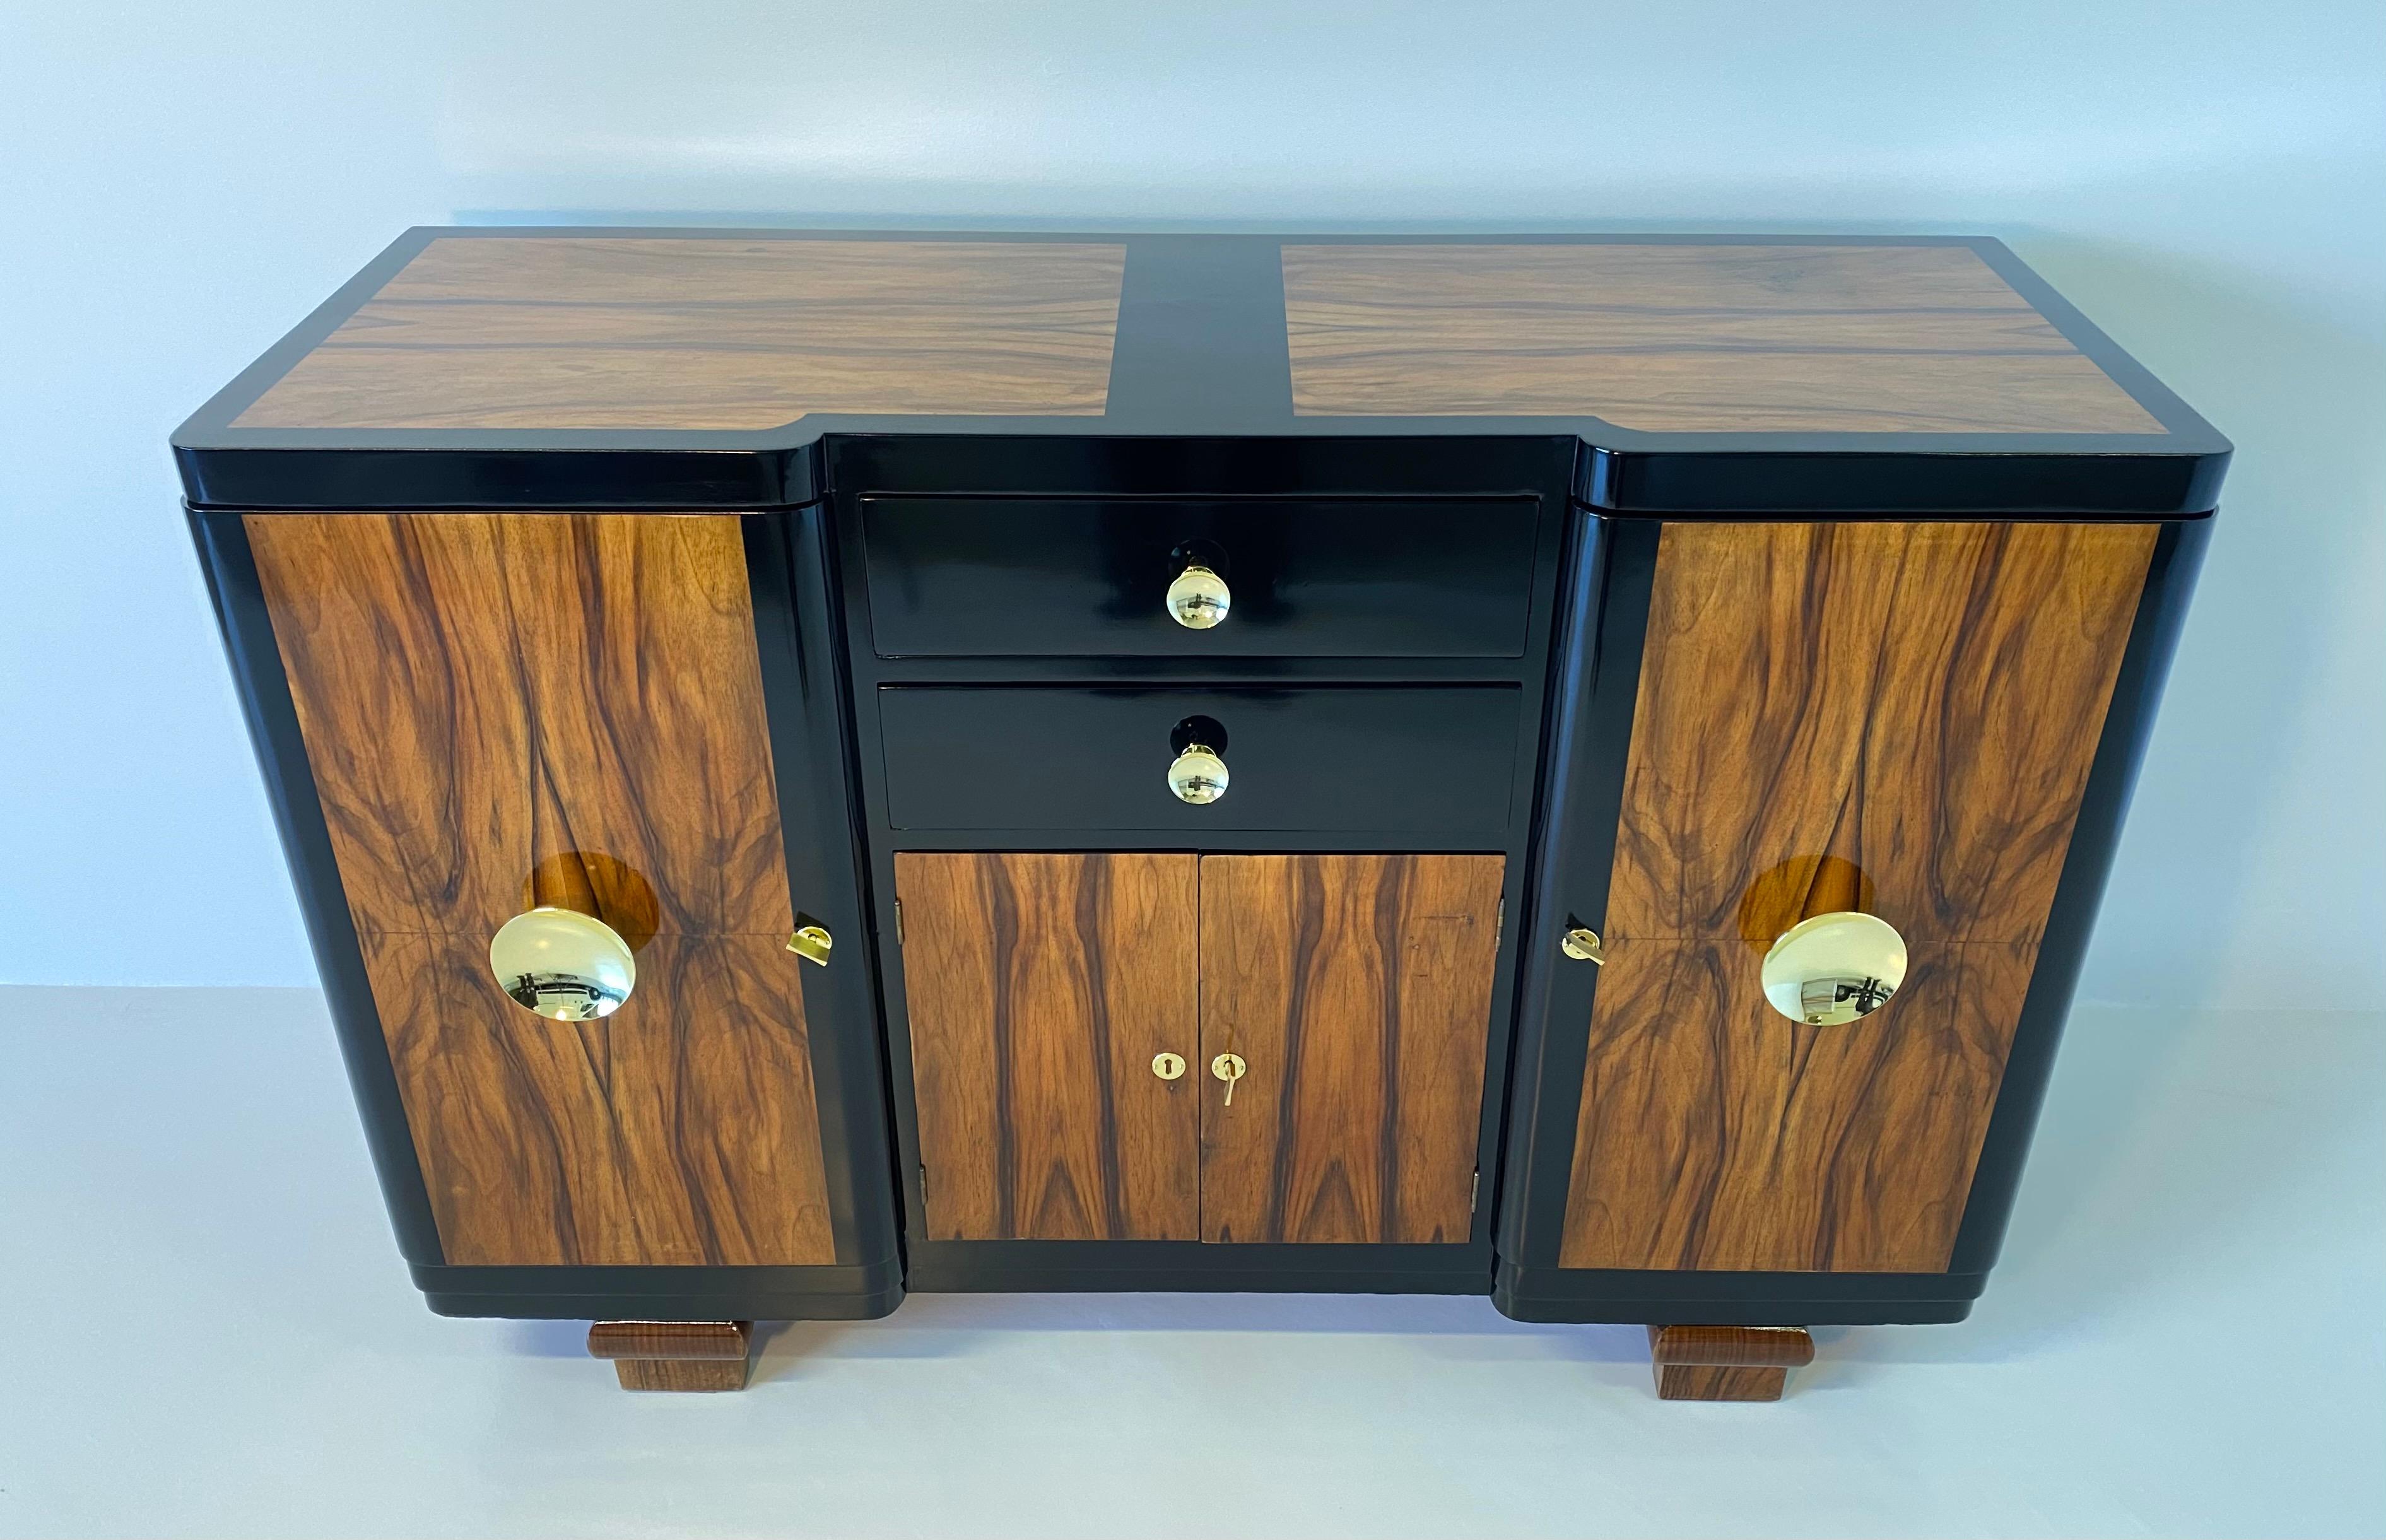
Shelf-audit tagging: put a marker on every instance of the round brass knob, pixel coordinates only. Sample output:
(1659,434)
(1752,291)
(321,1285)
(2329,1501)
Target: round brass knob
(1198,598)
(564,965)
(1197,775)
(1827,971)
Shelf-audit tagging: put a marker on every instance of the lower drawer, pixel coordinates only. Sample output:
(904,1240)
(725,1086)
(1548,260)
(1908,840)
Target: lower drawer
(1394,759)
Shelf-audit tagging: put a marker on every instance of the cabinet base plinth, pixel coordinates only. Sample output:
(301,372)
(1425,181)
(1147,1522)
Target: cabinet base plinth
(1727,1363)
(674,1355)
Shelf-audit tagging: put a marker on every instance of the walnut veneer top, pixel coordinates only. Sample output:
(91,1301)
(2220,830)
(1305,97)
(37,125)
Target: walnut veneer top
(493,330)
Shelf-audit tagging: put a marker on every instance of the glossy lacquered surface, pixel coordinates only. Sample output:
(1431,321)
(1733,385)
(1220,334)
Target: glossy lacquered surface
(1385,578)
(1329,759)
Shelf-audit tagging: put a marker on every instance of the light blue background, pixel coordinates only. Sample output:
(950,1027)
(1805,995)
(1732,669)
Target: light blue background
(182,183)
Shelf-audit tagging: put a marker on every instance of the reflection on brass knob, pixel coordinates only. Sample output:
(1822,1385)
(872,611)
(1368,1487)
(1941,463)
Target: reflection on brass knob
(562,964)
(1167,1066)
(1584,945)
(1197,775)
(812,944)
(1828,970)
(1198,598)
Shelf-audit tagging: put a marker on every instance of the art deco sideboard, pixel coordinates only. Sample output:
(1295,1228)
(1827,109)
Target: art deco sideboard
(1578,770)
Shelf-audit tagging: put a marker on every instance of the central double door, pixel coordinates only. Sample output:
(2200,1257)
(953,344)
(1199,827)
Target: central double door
(1071,1016)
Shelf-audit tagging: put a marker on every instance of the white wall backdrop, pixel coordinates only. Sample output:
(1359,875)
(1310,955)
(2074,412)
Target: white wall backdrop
(182,182)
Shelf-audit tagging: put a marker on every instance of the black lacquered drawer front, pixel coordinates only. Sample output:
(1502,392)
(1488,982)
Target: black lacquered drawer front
(975,577)
(1395,758)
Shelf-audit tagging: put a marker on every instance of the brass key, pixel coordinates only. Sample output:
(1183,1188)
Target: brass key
(1228,1068)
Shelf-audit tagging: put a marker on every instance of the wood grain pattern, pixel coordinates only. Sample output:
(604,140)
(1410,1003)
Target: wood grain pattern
(1893,718)
(486,698)
(676,1354)
(1727,1363)
(1690,338)
(502,710)
(1040,986)
(600,332)
(680,1130)
(1358,991)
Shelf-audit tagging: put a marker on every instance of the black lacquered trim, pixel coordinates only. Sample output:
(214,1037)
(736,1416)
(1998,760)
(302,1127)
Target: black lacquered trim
(850,1292)
(1586,1295)
(272,719)
(943,1266)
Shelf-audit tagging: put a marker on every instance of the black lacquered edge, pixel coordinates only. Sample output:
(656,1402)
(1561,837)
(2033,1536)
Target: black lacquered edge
(803,684)
(850,1292)
(1584,1296)
(2087,865)
(1610,571)
(272,720)
(1192,364)
(1191,1266)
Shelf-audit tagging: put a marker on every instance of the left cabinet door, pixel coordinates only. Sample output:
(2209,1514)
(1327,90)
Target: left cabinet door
(506,710)
(1041,989)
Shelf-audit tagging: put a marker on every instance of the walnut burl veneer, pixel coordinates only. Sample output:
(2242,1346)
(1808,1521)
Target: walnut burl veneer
(1358,990)
(1688,338)
(502,710)
(711,334)
(1040,988)
(1897,718)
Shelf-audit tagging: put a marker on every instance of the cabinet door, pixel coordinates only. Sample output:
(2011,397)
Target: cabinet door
(1040,989)
(1892,717)
(1357,992)
(505,711)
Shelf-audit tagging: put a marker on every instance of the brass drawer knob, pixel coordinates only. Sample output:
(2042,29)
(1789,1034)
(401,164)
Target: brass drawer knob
(1198,598)
(564,965)
(812,943)
(1834,968)
(1197,775)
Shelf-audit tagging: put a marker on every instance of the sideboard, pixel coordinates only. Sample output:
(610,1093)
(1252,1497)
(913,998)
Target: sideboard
(1572,769)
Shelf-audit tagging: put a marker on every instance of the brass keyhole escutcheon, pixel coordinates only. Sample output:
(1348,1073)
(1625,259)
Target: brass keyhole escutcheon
(1228,1068)
(1583,944)
(812,943)
(1167,1066)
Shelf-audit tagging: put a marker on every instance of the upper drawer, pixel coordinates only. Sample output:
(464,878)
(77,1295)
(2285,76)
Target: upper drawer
(973,577)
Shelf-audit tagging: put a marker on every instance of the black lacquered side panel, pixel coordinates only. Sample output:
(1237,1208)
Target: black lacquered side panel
(969,577)
(1390,758)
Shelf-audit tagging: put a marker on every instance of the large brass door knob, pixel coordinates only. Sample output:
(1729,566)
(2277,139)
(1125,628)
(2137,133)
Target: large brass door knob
(1827,971)
(1198,598)
(564,965)
(1197,775)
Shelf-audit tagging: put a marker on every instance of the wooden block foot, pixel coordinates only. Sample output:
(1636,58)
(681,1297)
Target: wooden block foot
(1727,1363)
(674,1355)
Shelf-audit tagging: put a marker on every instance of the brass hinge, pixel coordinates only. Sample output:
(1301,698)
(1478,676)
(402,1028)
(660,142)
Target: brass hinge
(924,1184)
(1500,924)
(899,923)
(1475,1192)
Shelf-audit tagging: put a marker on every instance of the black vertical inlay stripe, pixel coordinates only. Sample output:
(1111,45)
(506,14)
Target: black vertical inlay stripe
(1201,336)
(1002,909)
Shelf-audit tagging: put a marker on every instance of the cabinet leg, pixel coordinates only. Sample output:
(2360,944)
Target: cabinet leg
(674,1355)
(1727,1363)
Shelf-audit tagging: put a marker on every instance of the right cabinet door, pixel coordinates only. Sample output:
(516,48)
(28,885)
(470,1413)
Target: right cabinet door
(1355,990)
(1897,718)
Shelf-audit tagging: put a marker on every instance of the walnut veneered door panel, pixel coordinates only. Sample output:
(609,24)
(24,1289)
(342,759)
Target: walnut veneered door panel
(1357,992)
(1897,718)
(505,710)
(1040,989)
